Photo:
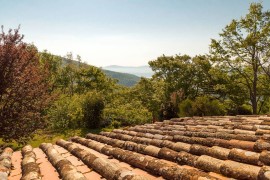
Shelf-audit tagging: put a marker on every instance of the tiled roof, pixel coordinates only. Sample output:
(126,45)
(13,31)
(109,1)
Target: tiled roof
(221,147)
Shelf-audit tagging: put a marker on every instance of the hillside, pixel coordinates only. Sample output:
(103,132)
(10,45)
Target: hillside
(124,79)
(141,71)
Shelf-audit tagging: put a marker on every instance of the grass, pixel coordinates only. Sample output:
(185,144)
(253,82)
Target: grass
(42,136)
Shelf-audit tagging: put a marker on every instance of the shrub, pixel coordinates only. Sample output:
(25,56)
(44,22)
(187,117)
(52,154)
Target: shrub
(244,110)
(201,106)
(235,109)
(66,113)
(131,113)
(185,108)
(116,124)
(76,111)
(205,106)
(92,108)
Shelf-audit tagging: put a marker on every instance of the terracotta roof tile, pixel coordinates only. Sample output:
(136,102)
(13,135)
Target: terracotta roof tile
(217,147)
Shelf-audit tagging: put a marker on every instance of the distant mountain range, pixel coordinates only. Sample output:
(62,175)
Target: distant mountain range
(141,71)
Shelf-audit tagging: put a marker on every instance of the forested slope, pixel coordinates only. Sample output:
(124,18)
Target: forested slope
(124,79)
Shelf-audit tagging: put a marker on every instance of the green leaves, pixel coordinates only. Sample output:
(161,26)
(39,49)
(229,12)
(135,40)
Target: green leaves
(125,107)
(244,48)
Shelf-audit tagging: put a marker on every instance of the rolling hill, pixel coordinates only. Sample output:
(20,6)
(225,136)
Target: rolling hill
(125,79)
(141,71)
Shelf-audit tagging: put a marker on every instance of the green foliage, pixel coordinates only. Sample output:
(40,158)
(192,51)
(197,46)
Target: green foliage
(69,76)
(92,106)
(185,108)
(123,108)
(201,106)
(205,106)
(231,80)
(128,114)
(237,69)
(151,93)
(76,111)
(234,108)
(244,110)
(244,51)
(53,64)
(66,112)
(175,71)
(185,76)
(85,91)
(93,78)
(113,125)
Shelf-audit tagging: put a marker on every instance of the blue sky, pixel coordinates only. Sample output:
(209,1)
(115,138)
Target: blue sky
(122,32)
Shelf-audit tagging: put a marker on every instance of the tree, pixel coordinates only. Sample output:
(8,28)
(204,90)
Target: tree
(245,48)
(121,106)
(176,73)
(151,93)
(188,77)
(53,64)
(92,78)
(184,77)
(23,88)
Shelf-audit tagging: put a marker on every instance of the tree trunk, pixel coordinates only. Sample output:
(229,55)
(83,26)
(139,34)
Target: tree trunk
(254,104)
(254,94)
(255,82)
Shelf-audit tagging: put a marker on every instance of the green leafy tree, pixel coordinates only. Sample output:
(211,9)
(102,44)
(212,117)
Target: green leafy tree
(66,113)
(53,64)
(93,78)
(187,77)
(176,73)
(151,93)
(123,108)
(184,77)
(244,48)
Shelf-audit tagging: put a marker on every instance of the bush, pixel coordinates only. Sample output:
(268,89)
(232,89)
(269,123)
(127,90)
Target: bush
(202,106)
(92,107)
(127,114)
(236,109)
(115,124)
(244,110)
(185,108)
(76,112)
(66,113)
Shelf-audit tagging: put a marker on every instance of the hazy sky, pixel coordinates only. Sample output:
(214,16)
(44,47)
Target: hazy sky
(122,32)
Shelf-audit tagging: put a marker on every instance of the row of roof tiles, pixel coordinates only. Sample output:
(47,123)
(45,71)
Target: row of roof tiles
(221,147)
